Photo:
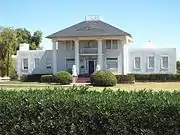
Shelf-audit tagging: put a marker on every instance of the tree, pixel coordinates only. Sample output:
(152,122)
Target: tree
(8,45)
(178,65)
(37,38)
(23,36)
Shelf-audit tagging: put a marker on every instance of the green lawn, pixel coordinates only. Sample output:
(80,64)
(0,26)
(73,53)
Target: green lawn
(17,82)
(165,86)
(169,86)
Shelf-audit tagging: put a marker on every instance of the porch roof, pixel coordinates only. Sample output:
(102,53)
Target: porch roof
(89,28)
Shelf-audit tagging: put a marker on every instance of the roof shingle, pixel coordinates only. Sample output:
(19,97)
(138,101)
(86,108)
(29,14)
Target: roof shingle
(89,28)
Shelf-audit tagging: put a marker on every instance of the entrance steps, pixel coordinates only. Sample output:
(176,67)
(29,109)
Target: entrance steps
(83,79)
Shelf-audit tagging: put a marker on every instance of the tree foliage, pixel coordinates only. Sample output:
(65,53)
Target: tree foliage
(37,38)
(178,65)
(25,36)
(8,45)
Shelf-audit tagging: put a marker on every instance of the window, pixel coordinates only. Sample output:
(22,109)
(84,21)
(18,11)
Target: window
(108,44)
(69,63)
(36,62)
(69,45)
(151,62)
(137,62)
(25,63)
(164,62)
(114,44)
(49,63)
(111,44)
(112,63)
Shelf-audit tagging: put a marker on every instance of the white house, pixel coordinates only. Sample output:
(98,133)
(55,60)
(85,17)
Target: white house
(93,42)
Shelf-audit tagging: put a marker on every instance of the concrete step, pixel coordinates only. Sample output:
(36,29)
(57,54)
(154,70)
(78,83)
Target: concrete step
(83,80)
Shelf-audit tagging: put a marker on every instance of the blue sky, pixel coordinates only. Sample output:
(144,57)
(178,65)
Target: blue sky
(146,20)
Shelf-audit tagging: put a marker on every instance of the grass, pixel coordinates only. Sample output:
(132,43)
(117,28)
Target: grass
(165,86)
(17,82)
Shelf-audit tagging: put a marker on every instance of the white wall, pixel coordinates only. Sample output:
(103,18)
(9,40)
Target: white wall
(113,54)
(31,55)
(157,53)
(62,54)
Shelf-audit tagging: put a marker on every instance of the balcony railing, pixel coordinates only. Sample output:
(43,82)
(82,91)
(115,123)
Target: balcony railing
(88,50)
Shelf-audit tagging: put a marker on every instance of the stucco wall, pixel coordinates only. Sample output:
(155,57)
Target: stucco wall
(31,55)
(157,53)
(62,54)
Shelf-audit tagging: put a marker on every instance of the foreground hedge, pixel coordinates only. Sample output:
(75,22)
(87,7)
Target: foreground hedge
(78,112)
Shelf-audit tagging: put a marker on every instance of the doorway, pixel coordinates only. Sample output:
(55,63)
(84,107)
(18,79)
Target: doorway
(91,66)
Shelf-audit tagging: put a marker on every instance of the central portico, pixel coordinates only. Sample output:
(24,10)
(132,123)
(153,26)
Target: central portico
(89,43)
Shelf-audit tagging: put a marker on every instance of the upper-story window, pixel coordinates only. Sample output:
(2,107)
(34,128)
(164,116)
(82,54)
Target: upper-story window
(164,62)
(137,63)
(36,62)
(69,45)
(49,63)
(111,44)
(151,62)
(25,63)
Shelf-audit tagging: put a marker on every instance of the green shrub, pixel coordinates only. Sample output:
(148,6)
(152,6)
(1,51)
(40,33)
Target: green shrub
(69,71)
(13,74)
(47,78)
(125,78)
(31,78)
(157,77)
(63,77)
(103,78)
(76,111)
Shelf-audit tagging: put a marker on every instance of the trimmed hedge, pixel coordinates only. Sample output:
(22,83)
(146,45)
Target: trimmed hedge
(47,78)
(31,78)
(125,78)
(131,78)
(63,77)
(76,111)
(103,78)
(157,77)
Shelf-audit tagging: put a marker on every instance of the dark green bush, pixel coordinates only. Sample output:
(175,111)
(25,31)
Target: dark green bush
(13,74)
(125,78)
(63,77)
(47,78)
(76,111)
(157,77)
(69,71)
(31,78)
(103,78)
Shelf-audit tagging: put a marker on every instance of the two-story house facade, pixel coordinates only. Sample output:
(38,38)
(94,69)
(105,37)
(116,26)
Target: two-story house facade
(91,43)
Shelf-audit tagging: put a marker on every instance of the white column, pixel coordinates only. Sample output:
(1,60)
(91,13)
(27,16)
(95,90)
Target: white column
(54,57)
(100,58)
(125,58)
(119,57)
(77,55)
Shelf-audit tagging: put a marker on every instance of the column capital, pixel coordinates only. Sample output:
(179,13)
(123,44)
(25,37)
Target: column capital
(54,40)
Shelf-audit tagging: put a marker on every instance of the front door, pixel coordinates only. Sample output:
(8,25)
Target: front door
(91,67)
